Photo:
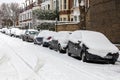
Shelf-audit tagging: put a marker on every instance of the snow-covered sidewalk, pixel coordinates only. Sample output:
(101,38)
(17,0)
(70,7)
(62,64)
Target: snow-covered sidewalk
(33,62)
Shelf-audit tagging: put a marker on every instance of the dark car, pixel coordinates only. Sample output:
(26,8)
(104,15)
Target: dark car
(29,35)
(92,46)
(59,41)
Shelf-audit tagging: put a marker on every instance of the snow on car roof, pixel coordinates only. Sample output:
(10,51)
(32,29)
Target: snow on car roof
(62,34)
(46,33)
(97,40)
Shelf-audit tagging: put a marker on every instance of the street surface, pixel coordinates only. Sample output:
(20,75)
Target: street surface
(25,61)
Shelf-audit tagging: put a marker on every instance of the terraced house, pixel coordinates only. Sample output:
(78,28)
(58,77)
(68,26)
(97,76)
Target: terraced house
(65,10)
(25,16)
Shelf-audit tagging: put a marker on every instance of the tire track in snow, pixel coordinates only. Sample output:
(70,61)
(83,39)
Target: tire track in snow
(20,59)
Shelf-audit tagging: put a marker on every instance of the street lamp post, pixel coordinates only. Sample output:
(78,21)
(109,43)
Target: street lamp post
(57,14)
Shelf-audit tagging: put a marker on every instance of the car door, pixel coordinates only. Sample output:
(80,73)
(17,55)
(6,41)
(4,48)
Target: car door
(71,47)
(77,49)
(26,35)
(55,44)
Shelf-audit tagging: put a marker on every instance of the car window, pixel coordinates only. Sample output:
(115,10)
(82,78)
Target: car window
(33,32)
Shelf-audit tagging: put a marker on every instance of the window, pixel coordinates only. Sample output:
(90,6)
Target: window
(75,18)
(71,19)
(65,4)
(48,7)
(64,19)
(60,19)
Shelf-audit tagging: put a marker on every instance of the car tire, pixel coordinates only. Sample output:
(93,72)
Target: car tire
(69,54)
(23,39)
(27,39)
(50,47)
(34,42)
(60,49)
(84,59)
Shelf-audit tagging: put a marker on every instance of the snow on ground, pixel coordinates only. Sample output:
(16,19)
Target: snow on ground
(25,61)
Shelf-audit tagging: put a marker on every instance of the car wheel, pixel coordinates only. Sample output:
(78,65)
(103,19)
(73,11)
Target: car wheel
(43,45)
(23,39)
(50,47)
(27,39)
(35,42)
(84,59)
(60,49)
(69,54)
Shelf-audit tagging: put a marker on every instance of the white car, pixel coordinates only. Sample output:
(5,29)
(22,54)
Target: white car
(18,33)
(13,31)
(92,46)
(4,30)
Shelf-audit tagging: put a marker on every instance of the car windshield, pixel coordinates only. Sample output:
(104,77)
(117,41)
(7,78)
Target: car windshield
(33,32)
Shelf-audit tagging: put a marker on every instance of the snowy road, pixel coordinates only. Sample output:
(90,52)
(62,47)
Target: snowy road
(25,61)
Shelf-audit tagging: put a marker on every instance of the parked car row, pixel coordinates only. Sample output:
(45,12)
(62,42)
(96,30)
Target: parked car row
(86,45)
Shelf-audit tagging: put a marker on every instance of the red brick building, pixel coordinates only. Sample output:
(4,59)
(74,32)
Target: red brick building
(104,16)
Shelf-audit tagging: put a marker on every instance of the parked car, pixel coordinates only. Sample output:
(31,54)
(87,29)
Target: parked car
(22,34)
(28,35)
(18,33)
(92,46)
(44,37)
(13,31)
(59,41)
(7,31)
(4,30)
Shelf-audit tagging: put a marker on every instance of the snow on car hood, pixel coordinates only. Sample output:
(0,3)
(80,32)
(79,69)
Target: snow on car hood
(98,43)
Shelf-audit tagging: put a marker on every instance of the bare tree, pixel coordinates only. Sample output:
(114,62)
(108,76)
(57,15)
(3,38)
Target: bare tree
(9,12)
(5,13)
(14,12)
(83,12)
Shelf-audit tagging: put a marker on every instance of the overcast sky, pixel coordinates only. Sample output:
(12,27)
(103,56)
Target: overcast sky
(9,1)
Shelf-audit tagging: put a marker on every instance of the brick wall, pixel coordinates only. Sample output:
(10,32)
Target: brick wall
(104,16)
(67,27)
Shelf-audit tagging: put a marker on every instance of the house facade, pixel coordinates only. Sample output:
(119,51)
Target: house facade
(25,16)
(65,10)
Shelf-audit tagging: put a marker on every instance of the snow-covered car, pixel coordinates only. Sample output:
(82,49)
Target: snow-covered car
(13,31)
(44,37)
(22,34)
(29,35)
(8,31)
(4,30)
(92,46)
(18,33)
(59,41)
